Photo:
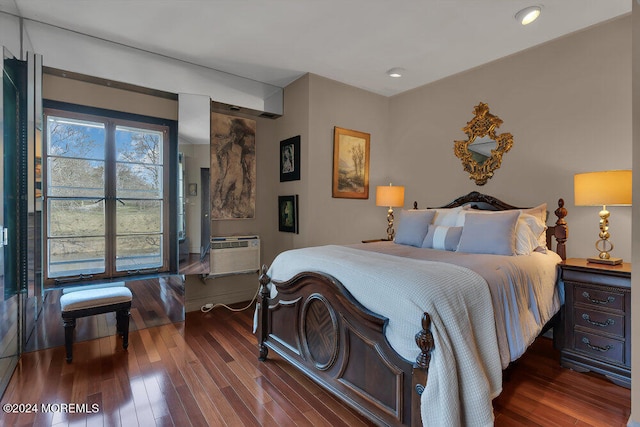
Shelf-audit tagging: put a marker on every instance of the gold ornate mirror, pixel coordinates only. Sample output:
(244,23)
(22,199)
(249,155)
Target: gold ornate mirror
(481,153)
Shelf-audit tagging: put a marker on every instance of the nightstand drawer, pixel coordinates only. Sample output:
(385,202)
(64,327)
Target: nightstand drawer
(599,321)
(599,347)
(601,298)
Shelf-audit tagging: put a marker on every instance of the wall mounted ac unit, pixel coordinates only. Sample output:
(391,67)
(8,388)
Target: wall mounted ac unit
(234,255)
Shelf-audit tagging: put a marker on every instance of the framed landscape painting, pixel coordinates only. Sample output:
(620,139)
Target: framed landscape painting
(350,164)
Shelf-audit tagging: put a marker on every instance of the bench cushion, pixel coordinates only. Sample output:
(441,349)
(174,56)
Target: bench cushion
(94,298)
(70,289)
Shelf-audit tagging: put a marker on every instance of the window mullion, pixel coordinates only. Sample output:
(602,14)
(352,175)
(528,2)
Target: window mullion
(110,196)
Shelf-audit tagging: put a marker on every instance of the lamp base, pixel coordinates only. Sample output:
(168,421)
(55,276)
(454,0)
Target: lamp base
(610,261)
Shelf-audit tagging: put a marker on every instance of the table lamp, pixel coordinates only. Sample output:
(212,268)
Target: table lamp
(603,188)
(393,197)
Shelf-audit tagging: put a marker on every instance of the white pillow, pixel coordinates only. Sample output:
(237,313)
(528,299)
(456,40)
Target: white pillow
(448,217)
(539,212)
(528,231)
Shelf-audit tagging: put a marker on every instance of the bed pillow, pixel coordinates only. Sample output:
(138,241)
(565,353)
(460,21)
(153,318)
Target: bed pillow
(448,216)
(539,212)
(413,226)
(442,237)
(528,231)
(489,234)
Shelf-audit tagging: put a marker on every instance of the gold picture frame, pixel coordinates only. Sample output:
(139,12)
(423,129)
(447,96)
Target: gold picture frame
(350,164)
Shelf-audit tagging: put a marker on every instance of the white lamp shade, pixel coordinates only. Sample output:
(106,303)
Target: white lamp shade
(388,195)
(612,188)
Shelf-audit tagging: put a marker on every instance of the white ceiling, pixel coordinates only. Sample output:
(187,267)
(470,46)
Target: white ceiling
(351,41)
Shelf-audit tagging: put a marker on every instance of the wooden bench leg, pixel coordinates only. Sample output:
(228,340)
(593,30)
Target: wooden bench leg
(69,328)
(122,326)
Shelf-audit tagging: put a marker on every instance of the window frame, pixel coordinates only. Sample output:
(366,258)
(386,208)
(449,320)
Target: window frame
(113,119)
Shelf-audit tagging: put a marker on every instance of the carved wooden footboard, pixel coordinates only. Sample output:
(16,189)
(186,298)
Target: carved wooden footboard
(316,325)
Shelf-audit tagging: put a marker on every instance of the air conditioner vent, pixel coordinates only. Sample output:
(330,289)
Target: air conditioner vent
(230,244)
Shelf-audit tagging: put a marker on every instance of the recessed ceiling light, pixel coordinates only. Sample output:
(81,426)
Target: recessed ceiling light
(528,14)
(395,72)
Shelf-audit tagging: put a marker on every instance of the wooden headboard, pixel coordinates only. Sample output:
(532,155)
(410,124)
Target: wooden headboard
(489,203)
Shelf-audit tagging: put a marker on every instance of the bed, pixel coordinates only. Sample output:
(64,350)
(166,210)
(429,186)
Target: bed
(407,334)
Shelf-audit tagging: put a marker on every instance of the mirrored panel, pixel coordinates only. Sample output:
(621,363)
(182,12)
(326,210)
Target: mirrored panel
(193,170)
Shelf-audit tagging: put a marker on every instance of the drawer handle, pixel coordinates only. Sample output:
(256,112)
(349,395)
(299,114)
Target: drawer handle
(595,347)
(609,299)
(609,322)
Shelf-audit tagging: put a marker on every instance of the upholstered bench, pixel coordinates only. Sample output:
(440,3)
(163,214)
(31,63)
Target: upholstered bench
(89,301)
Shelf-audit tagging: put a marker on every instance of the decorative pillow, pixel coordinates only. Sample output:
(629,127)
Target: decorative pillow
(442,237)
(489,234)
(413,226)
(448,216)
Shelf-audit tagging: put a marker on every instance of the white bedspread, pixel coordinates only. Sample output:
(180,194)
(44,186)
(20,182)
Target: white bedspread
(465,372)
(523,289)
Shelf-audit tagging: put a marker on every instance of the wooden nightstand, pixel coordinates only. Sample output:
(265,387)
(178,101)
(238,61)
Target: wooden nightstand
(597,319)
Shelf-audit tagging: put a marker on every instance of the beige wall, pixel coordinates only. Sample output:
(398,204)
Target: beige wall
(94,95)
(313,106)
(567,104)
(635,278)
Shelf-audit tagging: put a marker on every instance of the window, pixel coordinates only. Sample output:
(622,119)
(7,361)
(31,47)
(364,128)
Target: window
(105,197)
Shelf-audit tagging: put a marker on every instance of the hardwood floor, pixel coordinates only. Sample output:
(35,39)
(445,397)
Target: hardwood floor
(205,371)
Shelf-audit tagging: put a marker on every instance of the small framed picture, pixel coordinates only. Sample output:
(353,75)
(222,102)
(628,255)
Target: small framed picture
(193,189)
(288,214)
(290,159)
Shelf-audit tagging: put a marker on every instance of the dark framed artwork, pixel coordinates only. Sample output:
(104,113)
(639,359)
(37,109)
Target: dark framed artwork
(193,189)
(290,159)
(288,214)
(233,167)
(350,164)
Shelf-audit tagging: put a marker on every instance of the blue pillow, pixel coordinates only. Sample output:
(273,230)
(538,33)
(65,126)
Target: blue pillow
(489,234)
(413,226)
(442,237)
